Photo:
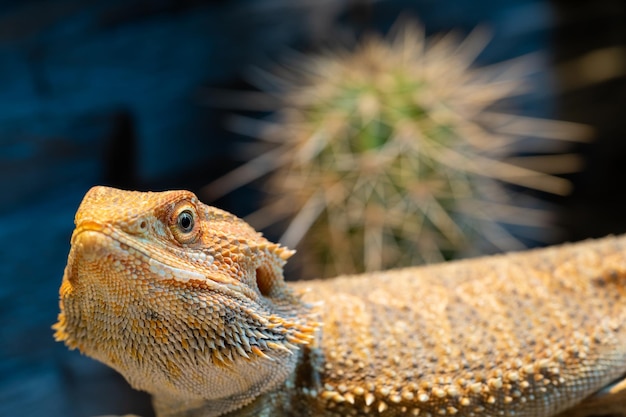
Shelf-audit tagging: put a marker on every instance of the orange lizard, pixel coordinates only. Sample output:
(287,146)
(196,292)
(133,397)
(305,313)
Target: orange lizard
(188,302)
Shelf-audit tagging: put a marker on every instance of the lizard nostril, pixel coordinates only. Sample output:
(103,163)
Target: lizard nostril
(137,227)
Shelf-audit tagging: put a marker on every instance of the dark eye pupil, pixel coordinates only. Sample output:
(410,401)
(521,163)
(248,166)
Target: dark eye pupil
(185,221)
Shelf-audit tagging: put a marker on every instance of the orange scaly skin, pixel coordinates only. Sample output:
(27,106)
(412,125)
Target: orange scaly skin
(188,302)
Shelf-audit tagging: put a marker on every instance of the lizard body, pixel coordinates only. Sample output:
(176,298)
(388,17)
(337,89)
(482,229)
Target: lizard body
(188,302)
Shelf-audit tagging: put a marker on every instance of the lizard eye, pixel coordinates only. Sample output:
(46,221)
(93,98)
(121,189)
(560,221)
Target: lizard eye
(183,223)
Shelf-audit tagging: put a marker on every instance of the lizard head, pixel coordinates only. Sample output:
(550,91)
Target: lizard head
(183,299)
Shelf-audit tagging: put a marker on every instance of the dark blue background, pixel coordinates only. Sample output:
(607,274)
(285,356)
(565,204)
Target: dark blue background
(119,93)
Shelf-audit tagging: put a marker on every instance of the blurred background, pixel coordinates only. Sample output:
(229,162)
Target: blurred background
(155,95)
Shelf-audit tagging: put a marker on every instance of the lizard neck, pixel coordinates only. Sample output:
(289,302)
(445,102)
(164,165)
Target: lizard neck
(277,399)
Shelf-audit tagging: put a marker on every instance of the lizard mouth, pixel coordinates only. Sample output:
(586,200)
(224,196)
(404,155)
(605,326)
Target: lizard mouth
(94,241)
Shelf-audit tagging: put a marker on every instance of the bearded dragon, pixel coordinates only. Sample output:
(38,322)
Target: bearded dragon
(188,303)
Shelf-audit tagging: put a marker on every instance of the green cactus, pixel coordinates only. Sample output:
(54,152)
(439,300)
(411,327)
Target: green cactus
(389,155)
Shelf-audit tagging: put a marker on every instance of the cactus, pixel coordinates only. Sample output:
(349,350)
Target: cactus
(390,155)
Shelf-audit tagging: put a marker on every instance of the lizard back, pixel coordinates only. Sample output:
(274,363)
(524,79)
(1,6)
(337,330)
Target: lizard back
(524,334)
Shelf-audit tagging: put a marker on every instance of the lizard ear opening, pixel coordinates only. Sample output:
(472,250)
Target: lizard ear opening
(264,280)
(269,274)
